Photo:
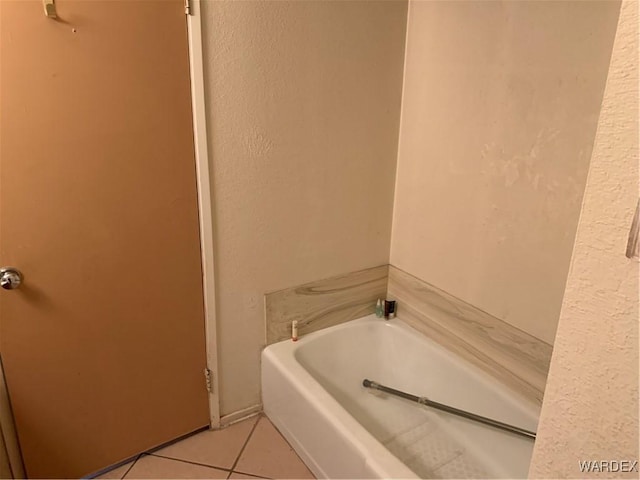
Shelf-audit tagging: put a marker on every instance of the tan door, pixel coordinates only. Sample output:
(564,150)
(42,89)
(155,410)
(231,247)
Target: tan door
(103,345)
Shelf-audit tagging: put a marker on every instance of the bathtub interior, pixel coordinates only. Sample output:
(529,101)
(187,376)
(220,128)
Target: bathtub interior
(433,444)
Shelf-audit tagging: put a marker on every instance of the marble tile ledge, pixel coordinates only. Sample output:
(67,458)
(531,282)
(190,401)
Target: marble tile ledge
(514,357)
(324,303)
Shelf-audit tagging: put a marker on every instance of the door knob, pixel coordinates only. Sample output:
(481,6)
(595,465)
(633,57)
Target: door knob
(10,278)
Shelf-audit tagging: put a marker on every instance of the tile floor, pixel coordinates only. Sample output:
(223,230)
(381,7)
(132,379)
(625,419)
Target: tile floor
(252,448)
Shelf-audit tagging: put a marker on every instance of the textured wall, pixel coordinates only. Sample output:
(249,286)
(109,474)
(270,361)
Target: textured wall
(590,409)
(500,106)
(304,104)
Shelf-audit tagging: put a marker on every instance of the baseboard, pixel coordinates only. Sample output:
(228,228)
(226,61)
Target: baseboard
(235,417)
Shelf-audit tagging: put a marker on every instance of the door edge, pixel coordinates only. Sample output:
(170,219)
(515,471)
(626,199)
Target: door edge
(205,210)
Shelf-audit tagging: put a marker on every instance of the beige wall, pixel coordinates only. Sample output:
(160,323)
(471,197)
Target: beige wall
(304,104)
(500,106)
(590,409)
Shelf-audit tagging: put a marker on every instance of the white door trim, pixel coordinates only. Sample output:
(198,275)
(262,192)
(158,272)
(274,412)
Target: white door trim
(205,213)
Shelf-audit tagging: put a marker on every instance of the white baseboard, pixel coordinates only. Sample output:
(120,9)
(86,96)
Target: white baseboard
(235,417)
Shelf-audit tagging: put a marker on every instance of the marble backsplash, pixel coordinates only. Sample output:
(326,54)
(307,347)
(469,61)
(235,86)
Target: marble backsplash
(324,303)
(514,357)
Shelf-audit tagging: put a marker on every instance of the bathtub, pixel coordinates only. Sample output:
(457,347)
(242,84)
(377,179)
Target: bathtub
(312,391)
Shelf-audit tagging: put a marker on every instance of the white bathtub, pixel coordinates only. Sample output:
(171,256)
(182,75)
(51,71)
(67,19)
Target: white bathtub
(312,391)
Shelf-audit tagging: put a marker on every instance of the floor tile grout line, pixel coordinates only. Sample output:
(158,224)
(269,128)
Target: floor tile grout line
(230,471)
(215,467)
(226,469)
(253,475)
(290,446)
(171,442)
(131,466)
(177,440)
(259,417)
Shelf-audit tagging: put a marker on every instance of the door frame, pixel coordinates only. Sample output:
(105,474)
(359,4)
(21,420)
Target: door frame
(205,210)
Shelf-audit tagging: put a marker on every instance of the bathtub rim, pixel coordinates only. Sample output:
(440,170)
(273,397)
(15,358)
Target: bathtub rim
(398,323)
